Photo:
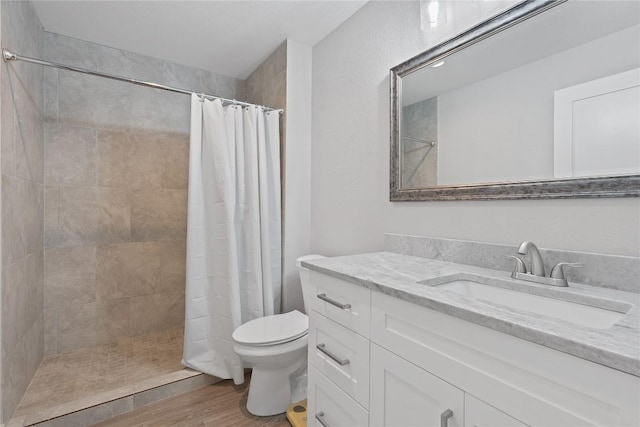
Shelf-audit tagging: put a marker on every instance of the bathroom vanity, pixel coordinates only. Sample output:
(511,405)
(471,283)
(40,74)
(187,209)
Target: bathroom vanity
(402,340)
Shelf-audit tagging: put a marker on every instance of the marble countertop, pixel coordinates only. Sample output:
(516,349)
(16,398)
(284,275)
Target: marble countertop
(413,279)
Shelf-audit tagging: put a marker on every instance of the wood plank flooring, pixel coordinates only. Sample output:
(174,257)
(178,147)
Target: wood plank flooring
(219,405)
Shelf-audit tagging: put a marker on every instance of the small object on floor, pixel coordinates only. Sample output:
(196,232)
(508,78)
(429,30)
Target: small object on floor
(297,414)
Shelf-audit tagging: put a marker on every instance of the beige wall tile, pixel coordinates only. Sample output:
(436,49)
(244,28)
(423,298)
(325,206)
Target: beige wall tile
(50,106)
(130,186)
(132,269)
(28,136)
(90,324)
(70,276)
(116,61)
(127,161)
(22,297)
(34,345)
(22,218)
(35,275)
(267,84)
(50,331)
(158,214)
(96,414)
(122,105)
(172,389)
(19,365)
(175,153)
(70,155)
(14,379)
(51,229)
(142,159)
(22,151)
(92,215)
(202,81)
(68,50)
(157,312)
(8,115)
(14,304)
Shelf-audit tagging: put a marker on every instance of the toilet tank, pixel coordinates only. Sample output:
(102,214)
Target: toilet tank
(304,279)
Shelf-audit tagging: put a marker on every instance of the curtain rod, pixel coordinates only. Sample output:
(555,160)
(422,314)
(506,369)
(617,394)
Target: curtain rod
(10,56)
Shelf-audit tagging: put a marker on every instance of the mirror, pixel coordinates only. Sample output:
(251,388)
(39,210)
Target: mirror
(541,101)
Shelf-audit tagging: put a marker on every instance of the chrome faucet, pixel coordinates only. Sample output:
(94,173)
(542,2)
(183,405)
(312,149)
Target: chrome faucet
(537,267)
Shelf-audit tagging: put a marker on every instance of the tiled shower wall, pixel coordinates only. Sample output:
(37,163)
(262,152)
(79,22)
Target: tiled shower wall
(419,160)
(267,85)
(116,169)
(22,205)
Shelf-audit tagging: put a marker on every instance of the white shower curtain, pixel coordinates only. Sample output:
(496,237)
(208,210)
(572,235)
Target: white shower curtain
(233,230)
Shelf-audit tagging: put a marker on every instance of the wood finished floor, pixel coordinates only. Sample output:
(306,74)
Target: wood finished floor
(219,405)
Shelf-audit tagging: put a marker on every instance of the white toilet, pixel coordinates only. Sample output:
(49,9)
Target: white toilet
(276,348)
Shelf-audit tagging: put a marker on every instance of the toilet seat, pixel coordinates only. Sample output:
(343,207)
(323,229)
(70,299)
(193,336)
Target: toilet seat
(272,330)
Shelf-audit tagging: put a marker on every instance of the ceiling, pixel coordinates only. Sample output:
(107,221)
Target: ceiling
(227,37)
(564,27)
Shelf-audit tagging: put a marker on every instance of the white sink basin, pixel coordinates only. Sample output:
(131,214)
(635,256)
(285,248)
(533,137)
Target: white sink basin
(593,317)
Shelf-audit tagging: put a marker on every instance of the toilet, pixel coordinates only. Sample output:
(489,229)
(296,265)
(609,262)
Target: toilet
(276,348)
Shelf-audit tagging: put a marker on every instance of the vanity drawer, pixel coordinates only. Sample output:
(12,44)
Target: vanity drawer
(341,301)
(331,405)
(341,355)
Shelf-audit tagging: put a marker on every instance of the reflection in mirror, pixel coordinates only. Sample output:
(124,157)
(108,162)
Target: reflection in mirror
(419,143)
(556,96)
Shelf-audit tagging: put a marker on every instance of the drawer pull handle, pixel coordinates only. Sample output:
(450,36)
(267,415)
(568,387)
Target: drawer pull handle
(332,356)
(324,297)
(320,418)
(444,417)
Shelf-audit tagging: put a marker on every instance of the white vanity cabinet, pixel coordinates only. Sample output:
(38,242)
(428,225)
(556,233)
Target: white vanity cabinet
(402,394)
(422,363)
(531,383)
(480,414)
(339,329)
(328,406)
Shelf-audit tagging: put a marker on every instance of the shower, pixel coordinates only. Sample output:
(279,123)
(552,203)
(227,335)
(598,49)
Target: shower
(112,214)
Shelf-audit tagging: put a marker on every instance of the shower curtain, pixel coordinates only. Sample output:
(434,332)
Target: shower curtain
(233,230)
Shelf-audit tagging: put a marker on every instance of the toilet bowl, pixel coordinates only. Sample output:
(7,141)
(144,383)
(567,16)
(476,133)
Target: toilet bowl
(276,349)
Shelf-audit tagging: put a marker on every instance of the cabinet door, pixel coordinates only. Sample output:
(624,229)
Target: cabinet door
(404,395)
(328,406)
(480,414)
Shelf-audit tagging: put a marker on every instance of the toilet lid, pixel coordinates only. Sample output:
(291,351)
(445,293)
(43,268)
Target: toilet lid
(270,330)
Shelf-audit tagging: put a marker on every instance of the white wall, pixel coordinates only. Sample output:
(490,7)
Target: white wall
(297,175)
(350,208)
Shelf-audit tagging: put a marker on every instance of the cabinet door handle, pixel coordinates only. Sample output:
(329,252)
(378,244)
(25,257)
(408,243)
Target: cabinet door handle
(320,418)
(444,417)
(332,356)
(324,297)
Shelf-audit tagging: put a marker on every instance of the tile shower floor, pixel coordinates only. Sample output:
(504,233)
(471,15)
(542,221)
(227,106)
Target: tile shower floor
(65,378)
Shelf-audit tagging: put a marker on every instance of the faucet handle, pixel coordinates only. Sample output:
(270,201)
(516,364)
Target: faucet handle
(558,273)
(519,267)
